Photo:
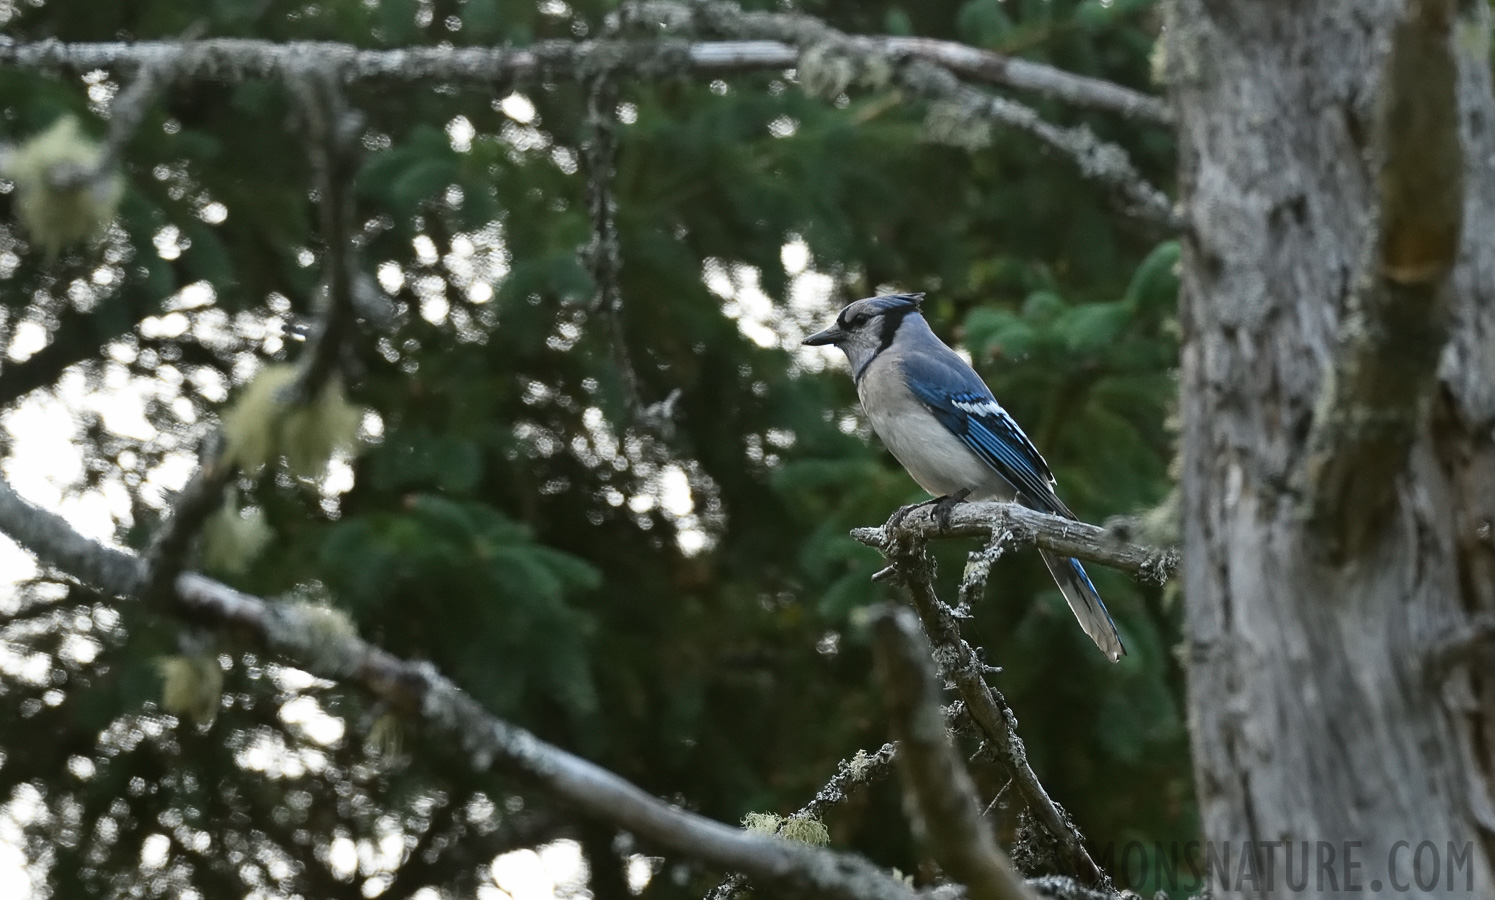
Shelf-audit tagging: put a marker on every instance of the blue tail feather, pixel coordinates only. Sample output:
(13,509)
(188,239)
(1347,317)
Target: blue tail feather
(1084,601)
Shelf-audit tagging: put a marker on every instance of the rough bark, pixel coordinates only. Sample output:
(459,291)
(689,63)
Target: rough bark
(1314,710)
(1377,399)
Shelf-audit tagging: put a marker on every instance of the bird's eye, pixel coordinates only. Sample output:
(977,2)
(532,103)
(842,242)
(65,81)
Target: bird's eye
(858,320)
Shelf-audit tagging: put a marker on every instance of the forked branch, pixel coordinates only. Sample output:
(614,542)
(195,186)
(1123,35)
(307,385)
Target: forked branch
(959,664)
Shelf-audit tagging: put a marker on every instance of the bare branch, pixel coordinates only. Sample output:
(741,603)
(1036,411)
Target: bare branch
(974,64)
(603,252)
(1097,159)
(332,131)
(1020,526)
(1375,399)
(911,63)
(125,115)
(325,644)
(938,793)
(851,776)
(978,570)
(236,60)
(870,60)
(193,504)
(1005,525)
(959,664)
(1001,792)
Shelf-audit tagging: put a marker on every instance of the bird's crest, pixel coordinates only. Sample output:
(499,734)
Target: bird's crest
(889,302)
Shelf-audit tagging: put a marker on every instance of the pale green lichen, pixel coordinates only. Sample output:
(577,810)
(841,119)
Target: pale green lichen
(386,738)
(805,830)
(322,635)
(1162,525)
(955,125)
(1472,38)
(1157,61)
(313,433)
(828,68)
(802,829)
(260,426)
(57,216)
(764,823)
(191,686)
(250,426)
(234,538)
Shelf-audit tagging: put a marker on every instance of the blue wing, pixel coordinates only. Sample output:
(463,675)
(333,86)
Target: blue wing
(964,405)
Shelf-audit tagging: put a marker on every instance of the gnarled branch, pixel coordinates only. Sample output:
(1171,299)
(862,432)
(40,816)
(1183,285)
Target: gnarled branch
(938,793)
(1020,526)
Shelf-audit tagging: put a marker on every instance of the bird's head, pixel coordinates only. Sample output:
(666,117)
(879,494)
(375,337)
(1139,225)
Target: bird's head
(867,327)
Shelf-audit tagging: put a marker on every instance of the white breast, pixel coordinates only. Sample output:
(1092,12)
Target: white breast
(936,459)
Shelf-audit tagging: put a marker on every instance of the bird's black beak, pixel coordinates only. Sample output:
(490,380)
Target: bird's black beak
(831,335)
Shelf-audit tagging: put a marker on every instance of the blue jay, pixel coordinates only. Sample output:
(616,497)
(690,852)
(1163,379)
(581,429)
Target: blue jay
(941,422)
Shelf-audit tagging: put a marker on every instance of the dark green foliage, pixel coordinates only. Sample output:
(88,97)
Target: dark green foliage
(511,523)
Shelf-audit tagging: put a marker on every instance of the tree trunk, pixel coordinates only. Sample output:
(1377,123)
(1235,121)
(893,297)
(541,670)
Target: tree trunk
(1315,712)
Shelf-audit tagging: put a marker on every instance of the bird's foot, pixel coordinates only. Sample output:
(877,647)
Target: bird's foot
(944,505)
(897,518)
